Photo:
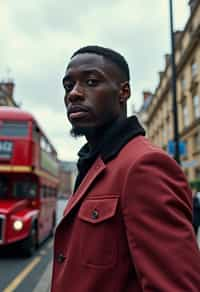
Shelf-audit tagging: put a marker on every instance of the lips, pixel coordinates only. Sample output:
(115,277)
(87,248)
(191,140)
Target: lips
(77,111)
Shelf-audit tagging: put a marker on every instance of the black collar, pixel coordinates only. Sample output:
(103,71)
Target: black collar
(118,136)
(113,140)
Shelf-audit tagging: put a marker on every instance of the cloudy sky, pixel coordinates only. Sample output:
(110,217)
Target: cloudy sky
(38,37)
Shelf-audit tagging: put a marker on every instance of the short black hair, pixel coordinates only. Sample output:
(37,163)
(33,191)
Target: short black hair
(109,54)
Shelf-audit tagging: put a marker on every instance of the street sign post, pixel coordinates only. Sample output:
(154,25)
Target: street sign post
(171,148)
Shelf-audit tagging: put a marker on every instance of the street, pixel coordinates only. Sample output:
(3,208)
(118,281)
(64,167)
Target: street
(22,274)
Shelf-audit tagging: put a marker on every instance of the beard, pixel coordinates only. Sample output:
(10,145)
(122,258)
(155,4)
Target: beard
(92,131)
(79,131)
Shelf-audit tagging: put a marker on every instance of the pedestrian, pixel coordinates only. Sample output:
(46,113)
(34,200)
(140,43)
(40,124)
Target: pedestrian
(128,225)
(196,211)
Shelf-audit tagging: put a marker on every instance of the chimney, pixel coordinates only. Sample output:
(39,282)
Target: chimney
(8,88)
(146,94)
(167,59)
(192,4)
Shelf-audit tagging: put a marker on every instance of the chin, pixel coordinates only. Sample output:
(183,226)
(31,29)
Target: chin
(82,131)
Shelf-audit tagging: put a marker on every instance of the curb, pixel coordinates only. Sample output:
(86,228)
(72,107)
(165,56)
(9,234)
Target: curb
(45,280)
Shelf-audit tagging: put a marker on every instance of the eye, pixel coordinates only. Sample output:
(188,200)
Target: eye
(68,86)
(92,82)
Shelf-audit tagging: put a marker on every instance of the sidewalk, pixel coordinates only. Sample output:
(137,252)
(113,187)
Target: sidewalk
(45,280)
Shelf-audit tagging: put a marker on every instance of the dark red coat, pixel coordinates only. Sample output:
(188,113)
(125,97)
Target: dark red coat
(128,228)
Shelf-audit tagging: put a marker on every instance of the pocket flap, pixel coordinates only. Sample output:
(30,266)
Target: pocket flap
(95,211)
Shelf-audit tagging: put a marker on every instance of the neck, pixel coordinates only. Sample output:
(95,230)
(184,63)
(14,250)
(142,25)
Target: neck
(93,140)
(95,136)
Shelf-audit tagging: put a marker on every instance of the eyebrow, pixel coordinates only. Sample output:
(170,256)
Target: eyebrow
(85,71)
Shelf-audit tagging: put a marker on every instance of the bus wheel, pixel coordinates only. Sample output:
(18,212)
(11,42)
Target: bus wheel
(30,243)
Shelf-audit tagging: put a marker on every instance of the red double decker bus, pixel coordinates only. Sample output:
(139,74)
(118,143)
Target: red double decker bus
(28,181)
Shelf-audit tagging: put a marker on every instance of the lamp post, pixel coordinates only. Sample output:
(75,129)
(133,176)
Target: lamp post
(173,86)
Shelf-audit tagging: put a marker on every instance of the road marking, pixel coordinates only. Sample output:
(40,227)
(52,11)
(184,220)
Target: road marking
(13,285)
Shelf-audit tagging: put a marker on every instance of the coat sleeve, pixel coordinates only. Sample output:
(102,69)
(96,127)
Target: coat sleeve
(157,211)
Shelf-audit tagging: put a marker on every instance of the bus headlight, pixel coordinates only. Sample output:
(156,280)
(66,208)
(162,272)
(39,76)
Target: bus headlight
(18,225)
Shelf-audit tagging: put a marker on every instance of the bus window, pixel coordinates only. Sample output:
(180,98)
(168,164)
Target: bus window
(3,187)
(36,133)
(14,129)
(24,190)
(43,192)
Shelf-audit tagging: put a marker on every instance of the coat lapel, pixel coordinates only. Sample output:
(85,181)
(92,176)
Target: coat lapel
(97,168)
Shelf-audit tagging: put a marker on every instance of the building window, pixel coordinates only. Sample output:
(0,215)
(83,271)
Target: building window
(191,28)
(183,83)
(194,69)
(163,135)
(169,128)
(197,173)
(185,115)
(197,141)
(196,106)
(186,172)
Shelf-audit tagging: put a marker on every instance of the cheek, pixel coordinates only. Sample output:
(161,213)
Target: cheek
(107,109)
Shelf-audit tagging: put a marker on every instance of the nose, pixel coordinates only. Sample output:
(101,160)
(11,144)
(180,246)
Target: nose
(75,94)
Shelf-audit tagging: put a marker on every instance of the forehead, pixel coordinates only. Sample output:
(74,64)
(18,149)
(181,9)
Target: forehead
(92,62)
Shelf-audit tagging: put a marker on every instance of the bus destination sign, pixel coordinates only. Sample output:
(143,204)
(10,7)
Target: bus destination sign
(6,148)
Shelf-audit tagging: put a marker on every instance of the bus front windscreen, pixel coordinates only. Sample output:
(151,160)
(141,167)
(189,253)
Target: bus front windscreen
(24,189)
(17,189)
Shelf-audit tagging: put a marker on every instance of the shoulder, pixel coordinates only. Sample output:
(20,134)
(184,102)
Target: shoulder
(140,150)
(146,163)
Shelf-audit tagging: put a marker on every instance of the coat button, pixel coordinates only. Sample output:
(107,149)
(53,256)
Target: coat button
(60,258)
(97,166)
(95,214)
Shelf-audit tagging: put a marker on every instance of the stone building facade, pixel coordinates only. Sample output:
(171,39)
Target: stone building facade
(67,176)
(157,110)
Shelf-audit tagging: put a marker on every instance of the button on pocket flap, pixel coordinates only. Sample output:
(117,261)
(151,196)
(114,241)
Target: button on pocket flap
(95,211)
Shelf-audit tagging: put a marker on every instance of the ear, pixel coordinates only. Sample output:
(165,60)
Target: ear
(125,92)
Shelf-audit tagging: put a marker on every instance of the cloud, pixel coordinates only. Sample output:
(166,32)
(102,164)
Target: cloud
(38,38)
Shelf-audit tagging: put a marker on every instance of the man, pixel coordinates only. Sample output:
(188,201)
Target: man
(196,211)
(127,227)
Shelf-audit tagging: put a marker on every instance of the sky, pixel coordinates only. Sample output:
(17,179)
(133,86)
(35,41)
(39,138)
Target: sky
(37,39)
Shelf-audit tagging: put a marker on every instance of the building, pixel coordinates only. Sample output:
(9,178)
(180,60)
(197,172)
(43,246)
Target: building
(6,93)
(67,176)
(143,113)
(157,110)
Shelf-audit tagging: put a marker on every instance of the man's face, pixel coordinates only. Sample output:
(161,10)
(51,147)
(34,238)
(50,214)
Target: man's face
(92,92)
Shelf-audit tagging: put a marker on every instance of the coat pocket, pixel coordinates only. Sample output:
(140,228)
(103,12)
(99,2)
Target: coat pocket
(98,232)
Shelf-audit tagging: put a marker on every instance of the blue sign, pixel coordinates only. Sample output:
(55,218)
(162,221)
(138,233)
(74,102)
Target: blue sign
(171,147)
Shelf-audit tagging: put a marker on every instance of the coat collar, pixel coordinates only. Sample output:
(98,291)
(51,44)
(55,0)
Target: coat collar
(96,169)
(113,139)
(119,135)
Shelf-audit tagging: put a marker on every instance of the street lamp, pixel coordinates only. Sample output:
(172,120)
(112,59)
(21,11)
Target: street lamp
(173,86)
